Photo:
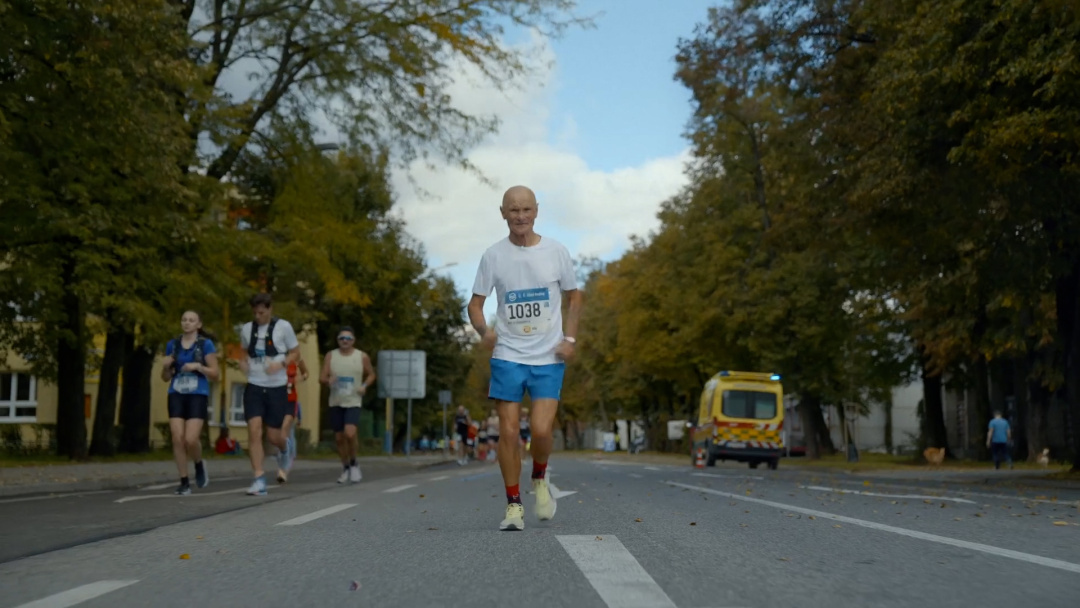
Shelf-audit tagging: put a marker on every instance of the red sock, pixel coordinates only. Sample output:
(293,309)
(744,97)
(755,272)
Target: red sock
(513,493)
(539,470)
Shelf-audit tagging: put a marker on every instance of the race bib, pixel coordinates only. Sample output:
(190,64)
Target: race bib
(345,386)
(528,311)
(186,383)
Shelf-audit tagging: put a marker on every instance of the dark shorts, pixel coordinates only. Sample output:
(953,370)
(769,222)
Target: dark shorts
(341,416)
(463,432)
(269,403)
(493,438)
(189,406)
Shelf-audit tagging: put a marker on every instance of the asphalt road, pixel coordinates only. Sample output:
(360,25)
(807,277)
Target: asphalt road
(627,534)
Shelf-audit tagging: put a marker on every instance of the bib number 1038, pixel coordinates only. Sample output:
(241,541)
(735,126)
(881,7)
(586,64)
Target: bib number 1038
(528,311)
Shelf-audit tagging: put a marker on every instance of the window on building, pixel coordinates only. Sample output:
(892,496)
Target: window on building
(236,405)
(18,397)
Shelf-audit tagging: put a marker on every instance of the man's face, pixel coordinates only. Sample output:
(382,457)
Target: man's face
(262,314)
(461,409)
(520,215)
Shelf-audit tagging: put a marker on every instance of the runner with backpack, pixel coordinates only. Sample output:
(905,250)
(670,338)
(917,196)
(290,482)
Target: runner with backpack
(189,365)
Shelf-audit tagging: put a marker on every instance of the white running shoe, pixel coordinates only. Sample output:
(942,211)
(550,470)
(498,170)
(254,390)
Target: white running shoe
(344,477)
(354,474)
(545,501)
(515,518)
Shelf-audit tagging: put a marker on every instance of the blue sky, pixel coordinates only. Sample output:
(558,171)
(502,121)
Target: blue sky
(599,137)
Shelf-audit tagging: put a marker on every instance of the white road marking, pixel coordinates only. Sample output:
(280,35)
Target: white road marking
(616,463)
(303,519)
(635,476)
(653,469)
(617,577)
(399,488)
(556,493)
(439,478)
(192,495)
(718,476)
(51,496)
(880,495)
(160,486)
(963,544)
(78,595)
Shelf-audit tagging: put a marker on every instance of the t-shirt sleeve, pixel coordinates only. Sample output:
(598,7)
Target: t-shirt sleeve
(209,348)
(170,346)
(567,273)
(485,276)
(288,335)
(245,331)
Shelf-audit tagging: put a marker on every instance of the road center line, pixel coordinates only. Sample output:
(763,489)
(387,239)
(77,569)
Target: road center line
(614,573)
(399,488)
(51,496)
(718,476)
(78,595)
(944,540)
(439,478)
(188,497)
(303,519)
(880,495)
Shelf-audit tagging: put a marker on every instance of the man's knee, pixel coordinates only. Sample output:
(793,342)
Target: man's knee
(193,443)
(178,440)
(350,432)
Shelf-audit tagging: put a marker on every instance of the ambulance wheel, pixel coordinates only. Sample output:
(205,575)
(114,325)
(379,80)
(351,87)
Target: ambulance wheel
(773,463)
(754,463)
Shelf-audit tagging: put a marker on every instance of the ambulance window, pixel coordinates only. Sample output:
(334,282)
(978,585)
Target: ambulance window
(749,404)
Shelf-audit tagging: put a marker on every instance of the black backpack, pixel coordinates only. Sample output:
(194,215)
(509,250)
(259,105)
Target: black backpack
(199,347)
(271,350)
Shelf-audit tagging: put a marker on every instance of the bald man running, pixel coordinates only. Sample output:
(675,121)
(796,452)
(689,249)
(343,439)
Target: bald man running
(529,274)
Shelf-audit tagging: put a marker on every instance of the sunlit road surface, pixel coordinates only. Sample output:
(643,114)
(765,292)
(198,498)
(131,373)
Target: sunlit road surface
(626,534)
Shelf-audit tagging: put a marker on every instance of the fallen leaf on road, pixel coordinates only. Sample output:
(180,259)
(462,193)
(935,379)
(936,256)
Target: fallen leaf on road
(421,496)
(185,556)
(812,517)
(424,511)
(581,502)
(893,502)
(791,515)
(222,551)
(198,538)
(866,483)
(1061,523)
(432,528)
(929,502)
(943,505)
(743,525)
(746,511)
(494,495)
(748,491)
(355,586)
(599,538)
(836,525)
(978,515)
(783,559)
(958,519)
(693,523)
(638,520)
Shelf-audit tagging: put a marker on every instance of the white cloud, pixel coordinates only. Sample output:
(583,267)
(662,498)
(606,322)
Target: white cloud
(593,211)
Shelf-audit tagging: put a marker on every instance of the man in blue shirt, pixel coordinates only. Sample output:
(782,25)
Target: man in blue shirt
(997,439)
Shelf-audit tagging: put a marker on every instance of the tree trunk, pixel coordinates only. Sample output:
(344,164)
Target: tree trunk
(1068,314)
(934,431)
(815,433)
(135,400)
(982,406)
(71,371)
(1021,431)
(103,441)
(889,425)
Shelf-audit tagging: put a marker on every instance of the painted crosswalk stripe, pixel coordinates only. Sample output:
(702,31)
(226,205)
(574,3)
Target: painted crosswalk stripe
(399,488)
(303,519)
(944,540)
(614,573)
(78,595)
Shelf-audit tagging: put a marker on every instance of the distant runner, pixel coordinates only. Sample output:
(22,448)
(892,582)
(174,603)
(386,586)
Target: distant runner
(348,372)
(529,275)
(190,363)
(269,346)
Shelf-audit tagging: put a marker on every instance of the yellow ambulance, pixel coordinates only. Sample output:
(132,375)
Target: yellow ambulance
(740,418)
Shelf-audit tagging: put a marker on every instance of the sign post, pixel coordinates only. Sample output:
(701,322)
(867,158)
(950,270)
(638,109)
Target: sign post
(401,376)
(444,400)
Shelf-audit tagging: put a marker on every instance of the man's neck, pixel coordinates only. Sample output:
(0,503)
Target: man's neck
(346,351)
(527,240)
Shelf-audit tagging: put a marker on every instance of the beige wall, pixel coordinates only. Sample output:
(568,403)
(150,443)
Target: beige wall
(307,392)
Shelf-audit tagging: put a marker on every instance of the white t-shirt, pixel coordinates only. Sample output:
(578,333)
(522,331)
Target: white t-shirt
(528,282)
(284,341)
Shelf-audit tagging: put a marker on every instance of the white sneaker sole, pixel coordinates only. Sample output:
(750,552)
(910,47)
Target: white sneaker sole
(515,525)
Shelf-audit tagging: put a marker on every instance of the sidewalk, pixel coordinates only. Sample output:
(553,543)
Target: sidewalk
(90,477)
